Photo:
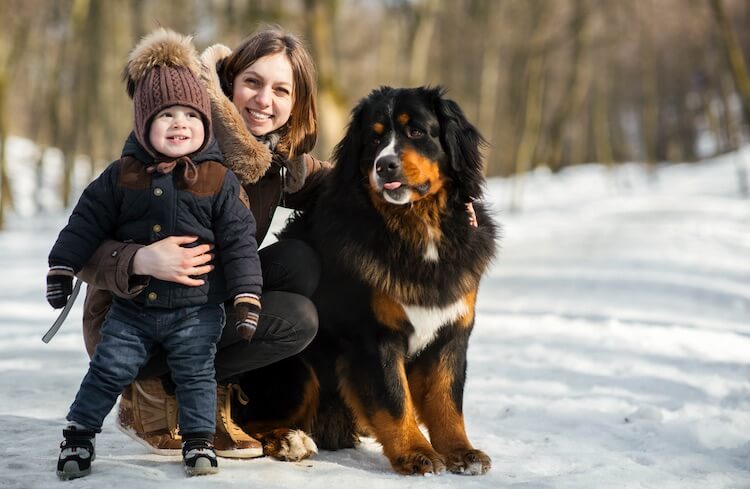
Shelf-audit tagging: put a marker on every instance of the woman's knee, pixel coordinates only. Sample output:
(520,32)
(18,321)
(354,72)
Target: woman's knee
(291,266)
(307,324)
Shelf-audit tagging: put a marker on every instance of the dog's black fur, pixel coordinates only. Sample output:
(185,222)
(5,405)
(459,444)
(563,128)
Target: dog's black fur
(395,241)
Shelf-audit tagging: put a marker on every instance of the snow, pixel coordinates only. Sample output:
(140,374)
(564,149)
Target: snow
(611,348)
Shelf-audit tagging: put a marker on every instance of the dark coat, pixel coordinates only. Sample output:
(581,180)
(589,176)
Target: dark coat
(130,205)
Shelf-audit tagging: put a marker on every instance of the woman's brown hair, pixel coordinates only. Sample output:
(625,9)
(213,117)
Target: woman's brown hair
(302,127)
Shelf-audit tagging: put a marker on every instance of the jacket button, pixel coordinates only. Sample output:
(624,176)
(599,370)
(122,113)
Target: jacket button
(152,296)
(156,228)
(158,192)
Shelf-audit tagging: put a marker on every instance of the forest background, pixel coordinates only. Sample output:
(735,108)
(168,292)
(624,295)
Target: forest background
(548,82)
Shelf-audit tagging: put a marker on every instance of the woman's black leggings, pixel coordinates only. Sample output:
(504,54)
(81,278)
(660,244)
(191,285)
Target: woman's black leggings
(288,320)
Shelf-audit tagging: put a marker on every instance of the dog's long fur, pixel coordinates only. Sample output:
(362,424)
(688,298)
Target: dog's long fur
(401,268)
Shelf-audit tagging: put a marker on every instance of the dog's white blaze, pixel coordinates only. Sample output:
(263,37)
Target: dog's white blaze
(428,320)
(388,150)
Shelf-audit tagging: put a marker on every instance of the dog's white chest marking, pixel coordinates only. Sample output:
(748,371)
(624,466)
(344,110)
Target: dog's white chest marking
(428,320)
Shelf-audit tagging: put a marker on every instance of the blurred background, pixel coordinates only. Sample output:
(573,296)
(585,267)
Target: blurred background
(549,83)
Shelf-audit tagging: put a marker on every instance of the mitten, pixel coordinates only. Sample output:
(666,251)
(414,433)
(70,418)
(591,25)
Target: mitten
(59,285)
(247,310)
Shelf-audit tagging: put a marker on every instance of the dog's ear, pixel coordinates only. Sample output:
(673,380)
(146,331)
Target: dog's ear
(348,152)
(462,142)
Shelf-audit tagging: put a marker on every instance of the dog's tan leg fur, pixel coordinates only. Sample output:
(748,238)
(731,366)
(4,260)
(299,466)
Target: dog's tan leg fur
(403,443)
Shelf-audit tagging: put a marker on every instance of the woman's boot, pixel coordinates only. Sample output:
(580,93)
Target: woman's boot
(230,440)
(148,415)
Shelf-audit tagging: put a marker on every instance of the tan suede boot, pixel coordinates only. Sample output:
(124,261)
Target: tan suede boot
(231,441)
(148,415)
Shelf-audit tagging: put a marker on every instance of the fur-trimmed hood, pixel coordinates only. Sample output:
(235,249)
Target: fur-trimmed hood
(247,157)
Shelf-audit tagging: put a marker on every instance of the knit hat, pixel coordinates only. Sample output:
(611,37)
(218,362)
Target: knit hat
(162,71)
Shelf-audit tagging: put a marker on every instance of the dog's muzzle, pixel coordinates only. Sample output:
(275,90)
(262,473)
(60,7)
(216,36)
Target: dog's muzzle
(389,180)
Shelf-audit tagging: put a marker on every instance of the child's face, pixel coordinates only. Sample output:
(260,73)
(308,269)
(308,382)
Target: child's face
(263,93)
(177,131)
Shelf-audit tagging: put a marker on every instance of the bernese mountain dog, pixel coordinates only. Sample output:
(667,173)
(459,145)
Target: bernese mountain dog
(401,265)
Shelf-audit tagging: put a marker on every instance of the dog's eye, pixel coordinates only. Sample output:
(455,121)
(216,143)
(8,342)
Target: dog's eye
(413,133)
(375,141)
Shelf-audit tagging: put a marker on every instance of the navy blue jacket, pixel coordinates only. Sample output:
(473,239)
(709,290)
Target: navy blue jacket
(128,204)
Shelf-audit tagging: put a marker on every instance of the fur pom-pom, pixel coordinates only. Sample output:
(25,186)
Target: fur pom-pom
(161,47)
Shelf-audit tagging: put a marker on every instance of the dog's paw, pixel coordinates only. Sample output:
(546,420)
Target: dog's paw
(421,462)
(469,462)
(289,445)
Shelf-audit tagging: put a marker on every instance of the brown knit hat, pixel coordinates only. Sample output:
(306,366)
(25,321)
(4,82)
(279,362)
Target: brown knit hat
(163,71)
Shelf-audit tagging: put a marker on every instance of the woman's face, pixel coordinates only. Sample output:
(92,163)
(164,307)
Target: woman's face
(263,93)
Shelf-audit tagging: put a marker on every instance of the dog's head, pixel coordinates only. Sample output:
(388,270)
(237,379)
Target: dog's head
(408,144)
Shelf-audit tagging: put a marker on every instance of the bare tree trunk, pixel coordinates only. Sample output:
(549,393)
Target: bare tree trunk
(421,42)
(9,57)
(734,56)
(6,197)
(565,113)
(490,79)
(602,132)
(331,100)
(533,107)
(531,128)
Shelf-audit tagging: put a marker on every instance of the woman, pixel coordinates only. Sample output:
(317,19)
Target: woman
(263,99)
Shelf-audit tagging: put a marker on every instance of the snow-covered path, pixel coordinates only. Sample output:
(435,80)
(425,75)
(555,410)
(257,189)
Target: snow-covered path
(612,349)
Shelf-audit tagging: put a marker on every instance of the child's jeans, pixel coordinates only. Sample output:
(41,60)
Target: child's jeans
(129,334)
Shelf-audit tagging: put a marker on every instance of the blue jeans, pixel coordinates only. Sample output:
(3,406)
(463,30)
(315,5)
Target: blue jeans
(129,334)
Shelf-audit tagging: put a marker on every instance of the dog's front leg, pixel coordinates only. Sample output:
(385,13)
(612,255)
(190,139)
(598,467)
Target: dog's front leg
(436,381)
(374,385)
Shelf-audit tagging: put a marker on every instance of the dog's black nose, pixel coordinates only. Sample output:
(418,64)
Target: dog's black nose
(388,167)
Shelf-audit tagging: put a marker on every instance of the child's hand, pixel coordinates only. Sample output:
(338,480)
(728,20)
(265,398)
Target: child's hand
(247,319)
(59,285)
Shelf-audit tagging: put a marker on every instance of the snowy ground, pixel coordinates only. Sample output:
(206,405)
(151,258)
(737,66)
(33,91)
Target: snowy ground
(612,349)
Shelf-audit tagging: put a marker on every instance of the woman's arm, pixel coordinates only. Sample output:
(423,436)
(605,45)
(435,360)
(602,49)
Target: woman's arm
(110,268)
(315,172)
(125,268)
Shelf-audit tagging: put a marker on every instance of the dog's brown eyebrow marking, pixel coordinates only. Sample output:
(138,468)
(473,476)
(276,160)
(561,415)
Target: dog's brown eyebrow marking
(378,128)
(403,118)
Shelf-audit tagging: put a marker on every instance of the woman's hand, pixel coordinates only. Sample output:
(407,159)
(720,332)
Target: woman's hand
(169,260)
(472,215)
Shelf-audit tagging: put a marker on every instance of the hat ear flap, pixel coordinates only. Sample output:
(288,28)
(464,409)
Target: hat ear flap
(129,82)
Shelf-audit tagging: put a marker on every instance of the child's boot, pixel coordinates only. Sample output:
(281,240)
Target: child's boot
(76,453)
(198,455)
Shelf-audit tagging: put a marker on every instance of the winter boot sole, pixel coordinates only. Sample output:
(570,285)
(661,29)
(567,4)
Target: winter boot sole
(71,471)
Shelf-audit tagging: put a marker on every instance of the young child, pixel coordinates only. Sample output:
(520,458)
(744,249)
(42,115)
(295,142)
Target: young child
(169,181)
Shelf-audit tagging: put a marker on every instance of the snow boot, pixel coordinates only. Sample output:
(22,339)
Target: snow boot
(148,414)
(230,440)
(76,453)
(198,455)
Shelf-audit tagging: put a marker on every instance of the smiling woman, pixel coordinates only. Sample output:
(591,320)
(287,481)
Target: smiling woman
(263,94)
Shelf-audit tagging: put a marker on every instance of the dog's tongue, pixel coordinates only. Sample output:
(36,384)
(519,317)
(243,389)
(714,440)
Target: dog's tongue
(391,185)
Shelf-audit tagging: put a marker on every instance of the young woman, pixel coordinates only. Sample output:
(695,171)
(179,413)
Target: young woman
(263,98)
